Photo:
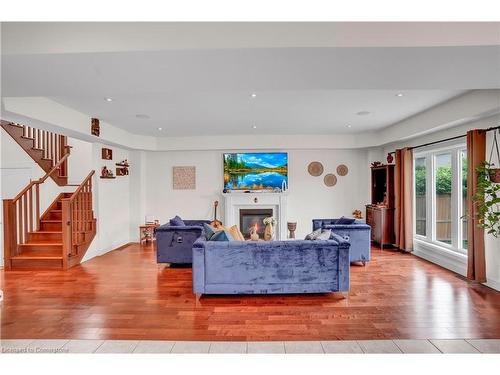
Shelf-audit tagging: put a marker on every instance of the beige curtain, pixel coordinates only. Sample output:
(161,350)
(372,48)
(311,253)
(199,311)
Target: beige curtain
(403,192)
(476,154)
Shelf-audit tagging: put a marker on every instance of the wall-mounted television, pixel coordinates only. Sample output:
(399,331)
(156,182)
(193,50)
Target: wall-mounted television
(255,171)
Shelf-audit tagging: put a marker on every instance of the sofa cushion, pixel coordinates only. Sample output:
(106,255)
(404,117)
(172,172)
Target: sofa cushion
(177,222)
(345,220)
(236,233)
(313,235)
(324,235)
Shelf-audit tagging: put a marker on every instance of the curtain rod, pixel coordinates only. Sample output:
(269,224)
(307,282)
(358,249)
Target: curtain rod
(446,139)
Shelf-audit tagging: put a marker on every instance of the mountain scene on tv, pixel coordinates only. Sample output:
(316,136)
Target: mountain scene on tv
(255,171)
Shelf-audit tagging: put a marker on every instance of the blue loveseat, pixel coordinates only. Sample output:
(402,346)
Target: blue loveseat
(237,267)
(174,243)
(357,234)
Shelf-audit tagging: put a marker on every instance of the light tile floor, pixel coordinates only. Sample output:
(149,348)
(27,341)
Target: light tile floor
(273,347)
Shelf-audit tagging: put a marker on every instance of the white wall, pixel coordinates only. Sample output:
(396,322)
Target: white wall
(308,196)
(111,203)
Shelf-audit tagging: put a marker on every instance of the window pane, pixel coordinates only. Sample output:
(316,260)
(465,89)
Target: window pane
(443,197)
(464,213)
(420,196)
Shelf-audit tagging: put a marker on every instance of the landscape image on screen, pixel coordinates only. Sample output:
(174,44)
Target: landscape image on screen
(255,171)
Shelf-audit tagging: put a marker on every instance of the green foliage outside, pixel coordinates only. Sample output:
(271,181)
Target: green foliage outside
(443,180)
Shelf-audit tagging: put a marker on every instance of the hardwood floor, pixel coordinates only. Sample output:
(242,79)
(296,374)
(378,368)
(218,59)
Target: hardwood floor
(126,295)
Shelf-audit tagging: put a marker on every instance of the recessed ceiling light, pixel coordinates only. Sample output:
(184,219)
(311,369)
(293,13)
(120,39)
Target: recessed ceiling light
(363,113)
(349,126)
(254,126)
(400,94)
(142,116)
(254,95)
(160,129)
(108,99)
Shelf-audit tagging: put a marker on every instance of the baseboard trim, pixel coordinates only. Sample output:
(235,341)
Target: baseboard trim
(492,283)
(123,246)
(446,259)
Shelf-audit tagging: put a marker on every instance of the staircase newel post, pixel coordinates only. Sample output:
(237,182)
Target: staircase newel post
(9,232)
(66,231)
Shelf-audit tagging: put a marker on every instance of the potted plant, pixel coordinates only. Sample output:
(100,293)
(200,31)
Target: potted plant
(494,172)
(487,199)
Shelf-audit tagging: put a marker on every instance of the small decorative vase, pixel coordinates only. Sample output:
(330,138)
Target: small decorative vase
(254,236)
(269,232)
(292,226)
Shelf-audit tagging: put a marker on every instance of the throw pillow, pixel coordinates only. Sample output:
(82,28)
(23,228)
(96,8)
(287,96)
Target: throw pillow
(177,222)
(221,235)
(313,235)
(212,234)
(324,235)
(209,231)
(345,220)
(236,234)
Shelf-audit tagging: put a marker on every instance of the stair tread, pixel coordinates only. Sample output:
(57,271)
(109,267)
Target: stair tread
(23,136)
(46,232)
(41,243)
(39,255)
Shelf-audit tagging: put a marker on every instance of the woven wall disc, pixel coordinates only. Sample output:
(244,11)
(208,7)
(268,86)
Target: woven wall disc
(330,179)
(315,168)
(342,170)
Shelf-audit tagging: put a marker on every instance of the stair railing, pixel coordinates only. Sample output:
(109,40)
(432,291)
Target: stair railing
(53,145)
(22,214)
(77,218)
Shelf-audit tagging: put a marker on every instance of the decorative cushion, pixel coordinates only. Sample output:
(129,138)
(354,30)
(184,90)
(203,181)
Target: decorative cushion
(177,222)
(345,220)
(313,235)
(221,235)
(213,234)
(209,231)
(324,235)
(236,233)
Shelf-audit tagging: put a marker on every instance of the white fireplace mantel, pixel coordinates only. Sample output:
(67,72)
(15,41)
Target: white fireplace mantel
(233,202)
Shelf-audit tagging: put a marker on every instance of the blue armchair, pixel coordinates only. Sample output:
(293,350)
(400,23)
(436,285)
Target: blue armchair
(357,234)
(174,244)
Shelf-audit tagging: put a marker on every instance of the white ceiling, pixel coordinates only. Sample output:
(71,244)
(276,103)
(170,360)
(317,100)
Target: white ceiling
(306,86)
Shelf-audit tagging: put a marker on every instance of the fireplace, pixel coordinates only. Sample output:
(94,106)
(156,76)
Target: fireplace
(251,217)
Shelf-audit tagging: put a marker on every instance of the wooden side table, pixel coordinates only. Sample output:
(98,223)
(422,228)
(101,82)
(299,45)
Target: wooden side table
(147,232)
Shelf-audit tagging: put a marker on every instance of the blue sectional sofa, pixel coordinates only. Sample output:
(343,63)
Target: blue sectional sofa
(174,243)
(237,267)
(358,235)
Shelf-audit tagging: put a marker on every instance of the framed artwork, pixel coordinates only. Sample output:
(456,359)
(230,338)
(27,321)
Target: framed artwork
(95,128)
(184,178)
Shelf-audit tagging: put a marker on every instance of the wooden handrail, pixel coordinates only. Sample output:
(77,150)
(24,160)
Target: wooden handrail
(42,179)
(80,187)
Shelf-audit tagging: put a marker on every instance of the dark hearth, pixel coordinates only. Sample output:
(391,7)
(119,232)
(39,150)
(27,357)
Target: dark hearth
(250,217)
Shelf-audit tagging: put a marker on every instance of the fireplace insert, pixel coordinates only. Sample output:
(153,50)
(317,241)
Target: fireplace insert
(254,217)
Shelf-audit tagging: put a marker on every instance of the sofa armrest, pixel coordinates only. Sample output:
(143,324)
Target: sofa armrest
(198,273)
(360,226)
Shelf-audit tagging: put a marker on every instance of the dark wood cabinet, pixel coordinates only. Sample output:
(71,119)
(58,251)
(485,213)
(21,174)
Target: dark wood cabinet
(380,213)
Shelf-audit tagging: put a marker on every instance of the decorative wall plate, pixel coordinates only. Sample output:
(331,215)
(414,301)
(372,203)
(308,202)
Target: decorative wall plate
(315,168)
(342,170)
(330,179)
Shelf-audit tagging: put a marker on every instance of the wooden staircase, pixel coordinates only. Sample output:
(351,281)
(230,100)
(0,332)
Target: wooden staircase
(44,147)
(57,238)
